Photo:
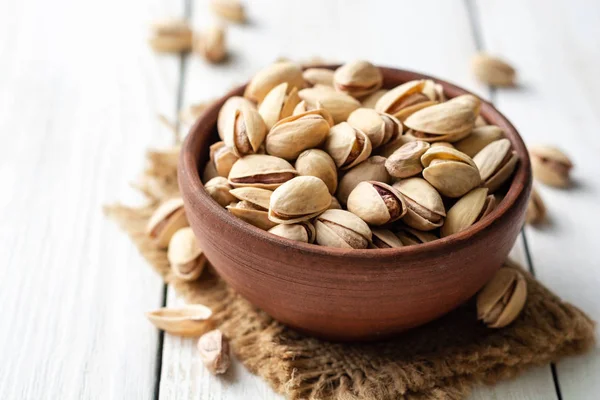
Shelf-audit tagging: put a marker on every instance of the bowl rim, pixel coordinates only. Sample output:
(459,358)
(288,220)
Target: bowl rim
(188,166)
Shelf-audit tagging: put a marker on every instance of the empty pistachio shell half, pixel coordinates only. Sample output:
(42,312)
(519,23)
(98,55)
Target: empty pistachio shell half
(301,232)
(271,76)
(218,188)
(379,127)
(347,145)
(340,105)
(245,131)
(315,162)
(214,351)
(406,160)
(425,208)
(434,91)
(278,104)
(372,169)
(501,300)
(253,206)
(171,36)
(376,203)
(395,100)
(189,320)
(167,219)
(536,209)
(493,71)
(230,107)
(222,157)
(357,78)
(318,76)
(478,139)
(291,136)
(385,239)
(185,256)
(409,236)
(340,228)
(262,171)
(550,166)
(451,172)
(496,163)
(299,199)
(468,210)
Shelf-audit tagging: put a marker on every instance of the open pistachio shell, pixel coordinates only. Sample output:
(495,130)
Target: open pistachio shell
(478,139)
(411,237)
(536,209)
(347,145)
(299,199)
(302,231)
(468,210)
(189,320)
(278,105)
(318,76)
(271,76)
(230,107)
(222,157)
(185,256)
(213,347)
(501,300)
(245,131)
(315,162)
(451,172)
(167,219)
(496,163)
(262,171)
(425,208)
(550,166)
(385,239)
(407,111)
(340,105)
(256,196)
(340,228)
(252,214)
(372,169)
(376,203)
(434,91)
(379,127)
(394,100)
(406,160)
(358,78)
(219,189)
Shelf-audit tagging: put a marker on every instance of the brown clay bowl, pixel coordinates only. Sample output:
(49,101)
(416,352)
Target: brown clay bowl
(351,294)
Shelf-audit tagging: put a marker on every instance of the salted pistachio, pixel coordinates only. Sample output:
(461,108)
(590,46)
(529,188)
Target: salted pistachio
(299,199)
(185,256)
(211,44)
(171,36)
(218,188)
(425,208)
(372,169)
(406,160)
(188,320)
(501,300)
(434,91)
(347,145)
(259,198)
(167,219)
(340,228)
(340,105)
(302,231)
(253,206)
(376,203)
(335,204)
(478,139)
(214,351)
(245,131)
(261,171)
(231,10)
(230,107)
(357,78)
(496,163)
(316,162)
(451,172)
(471,208)
(409,236)
(318,76)
(266,79)
(379,127)
(493,71)
(536,209)
(550,166)
(223,157)
(385,239)
(278,104)
(292,135)
(400,97)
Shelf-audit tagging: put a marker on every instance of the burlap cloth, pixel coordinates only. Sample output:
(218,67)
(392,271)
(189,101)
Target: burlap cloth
(441,360)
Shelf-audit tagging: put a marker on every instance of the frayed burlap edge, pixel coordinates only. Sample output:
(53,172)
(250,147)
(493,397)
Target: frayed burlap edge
(442,360)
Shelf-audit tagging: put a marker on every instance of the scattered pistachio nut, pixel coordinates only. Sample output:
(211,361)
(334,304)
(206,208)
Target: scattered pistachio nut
(214,351)
(316,162)
(493,71)
(340,228)
(372,169)
(245,131)
(231,10)
(189,320)
(496,163)
(358,78)
(340,105)
(278,104)
(376,203)
(425,208)
(218,188)
(302,231)
(185,255)
(536,209)
(299,199)
(478,139)
(167,219)
(211,44)
(385,239)
(262,171)
(318,76)
(470,209)
(406,160)
(171,36)
(550,166)
(253,206)
(451,172)
(223,157)
(265,80)
(502,299)
(231,106)
(347,145)
(379,127)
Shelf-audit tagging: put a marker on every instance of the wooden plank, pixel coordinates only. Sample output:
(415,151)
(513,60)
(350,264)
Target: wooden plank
(78,97)
(556,48)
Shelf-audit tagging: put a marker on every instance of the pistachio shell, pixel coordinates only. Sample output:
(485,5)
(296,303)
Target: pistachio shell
(209,172)
(256,196)
(230,107)
(185,256)
(501,300)
(211,44)
(347,146)
(409,236)
(189,320)
(315,162)
(167,219)
(425,208)
(299,199)
(213,347)
(480,121)
(376,203)
(373,98)
(451,118)
(358,78)
(219,189)
(407,111)
(550,166)
(318,76)
(496,163)
(245,131)
(340,105)
(443,144)
(171,36)
(493,71)
(536,209)
(468,210)
(445,153)
(262,171)
(389,149)
(302,231)
(339,228)
(434,91)
(372,169)
(380,128)
(406,161)
(231,10)
(392,101)
(222,157)
(452,178)
(278,105)
(478,139)
(271,76)
(292,135)
(335,204)
(252,214)
(385,239)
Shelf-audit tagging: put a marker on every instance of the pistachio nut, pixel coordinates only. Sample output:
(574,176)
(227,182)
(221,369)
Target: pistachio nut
(302,231)
(443,144)
(340,105)
(231,10)
(376,203)
(496,163)
(389,149)
(501,300)
(185,256)
(493,71)
(257,197)
(372,169)
(385,239)
(318,76)
(335,204)
(252,207)
(188,320)
(292,135)
(222,157)
(315,162)
(471,208)
(396,99)
(550,166)
(340,228)
(478,139)
(278,104)
(271,76)
(358,78)
(347,145)
(373,98)
(536,209)
(213,347)
(409,236)
(261,171)
(230,106)
(299,199)
(406,161)
(171,36)
(218,188)
(451,172)
(434,91)
(211,44)
(209,172)
(167,219)
(425,208)
(245,131)
(379,127)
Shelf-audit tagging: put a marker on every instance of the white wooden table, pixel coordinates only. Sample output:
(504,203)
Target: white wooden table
(79,94)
